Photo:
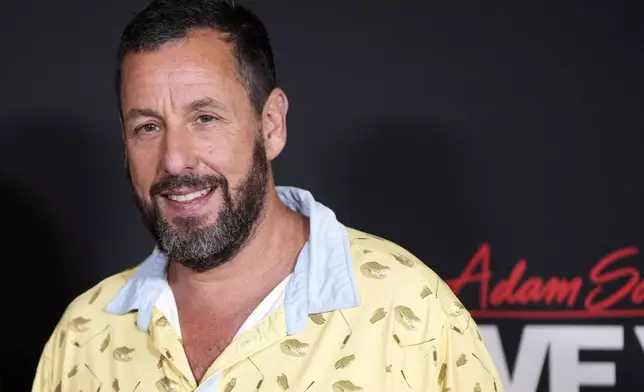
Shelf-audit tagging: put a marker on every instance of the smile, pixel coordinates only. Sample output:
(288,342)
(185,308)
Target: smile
(188,197)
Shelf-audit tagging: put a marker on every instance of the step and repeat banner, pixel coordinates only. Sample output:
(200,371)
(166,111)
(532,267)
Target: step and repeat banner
(569,322)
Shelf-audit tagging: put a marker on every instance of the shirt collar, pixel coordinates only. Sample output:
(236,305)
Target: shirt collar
(322,281)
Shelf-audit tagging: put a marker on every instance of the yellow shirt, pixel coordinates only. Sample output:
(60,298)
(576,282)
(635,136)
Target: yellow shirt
(359,313)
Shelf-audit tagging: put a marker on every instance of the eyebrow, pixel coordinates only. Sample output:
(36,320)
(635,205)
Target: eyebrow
(206,102)
(192,106)
(134,113)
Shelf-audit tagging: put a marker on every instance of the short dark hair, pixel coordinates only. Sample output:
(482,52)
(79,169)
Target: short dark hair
(163,21)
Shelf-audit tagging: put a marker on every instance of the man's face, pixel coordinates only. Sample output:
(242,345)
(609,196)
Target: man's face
(195,150)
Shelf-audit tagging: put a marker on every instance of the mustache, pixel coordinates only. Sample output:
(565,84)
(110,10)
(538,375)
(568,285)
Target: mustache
(189,180)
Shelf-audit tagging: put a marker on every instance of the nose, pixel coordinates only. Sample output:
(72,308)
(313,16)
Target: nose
(180,153)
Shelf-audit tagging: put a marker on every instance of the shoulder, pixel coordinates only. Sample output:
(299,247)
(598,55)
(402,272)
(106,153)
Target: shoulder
(388,273)
(94,300)
(433,336)
(87,311)
(83,325)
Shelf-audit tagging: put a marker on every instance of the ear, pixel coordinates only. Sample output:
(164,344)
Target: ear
(274,123)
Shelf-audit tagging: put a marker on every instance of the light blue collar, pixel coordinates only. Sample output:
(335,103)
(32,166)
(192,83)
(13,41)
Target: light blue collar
(322,280)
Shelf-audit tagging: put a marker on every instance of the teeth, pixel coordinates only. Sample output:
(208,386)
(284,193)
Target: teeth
(190,196)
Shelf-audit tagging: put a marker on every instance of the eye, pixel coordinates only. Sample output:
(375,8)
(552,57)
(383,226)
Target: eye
(146,128)
(205,118)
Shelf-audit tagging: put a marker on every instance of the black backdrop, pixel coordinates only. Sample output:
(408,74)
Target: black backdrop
(450,128)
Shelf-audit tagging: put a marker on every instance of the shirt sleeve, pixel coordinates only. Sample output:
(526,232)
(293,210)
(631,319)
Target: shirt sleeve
(465,363)
(453,359)
(438,346)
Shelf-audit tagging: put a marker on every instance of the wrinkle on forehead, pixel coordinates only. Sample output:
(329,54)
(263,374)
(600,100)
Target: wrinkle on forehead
(183,71)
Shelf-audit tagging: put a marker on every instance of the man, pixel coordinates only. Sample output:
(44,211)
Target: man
(252,286)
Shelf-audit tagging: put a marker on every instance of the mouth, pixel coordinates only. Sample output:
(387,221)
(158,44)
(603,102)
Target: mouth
(183,197)
(187,200)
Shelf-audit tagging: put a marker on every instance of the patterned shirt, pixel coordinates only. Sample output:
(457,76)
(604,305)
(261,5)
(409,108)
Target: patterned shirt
(358,313)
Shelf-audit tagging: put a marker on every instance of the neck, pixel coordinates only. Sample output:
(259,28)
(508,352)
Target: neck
(264,261)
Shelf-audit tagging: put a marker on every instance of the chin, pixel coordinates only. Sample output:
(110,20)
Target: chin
(200,221)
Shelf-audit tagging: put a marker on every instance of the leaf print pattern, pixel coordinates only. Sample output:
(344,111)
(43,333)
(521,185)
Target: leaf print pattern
(106,342)
(442,373)
(80,324)
(294,347)
(282,381)
(425,292)
(168,385)
(162,322)
(457,309)
(406,317)
(95,295)
(345,386)
(63,334)
(373,269)
(317,318)
(344,362)
(92,337)
(123,354)
(378,315)
(230,385)
(404,260)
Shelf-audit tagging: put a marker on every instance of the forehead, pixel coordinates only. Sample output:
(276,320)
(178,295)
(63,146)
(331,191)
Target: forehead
(189,68)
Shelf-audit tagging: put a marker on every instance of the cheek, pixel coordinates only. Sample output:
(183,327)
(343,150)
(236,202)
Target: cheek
(142,169)
(231,158)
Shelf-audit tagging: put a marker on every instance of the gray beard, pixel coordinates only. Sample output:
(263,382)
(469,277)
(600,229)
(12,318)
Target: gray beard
(200,247)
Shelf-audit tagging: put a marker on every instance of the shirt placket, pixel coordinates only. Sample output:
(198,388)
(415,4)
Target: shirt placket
(237,357)
(173,362)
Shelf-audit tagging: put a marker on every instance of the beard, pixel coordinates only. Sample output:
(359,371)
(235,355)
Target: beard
(192,242)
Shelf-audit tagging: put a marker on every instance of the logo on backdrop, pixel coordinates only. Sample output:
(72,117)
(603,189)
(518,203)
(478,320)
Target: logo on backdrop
(613,289)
